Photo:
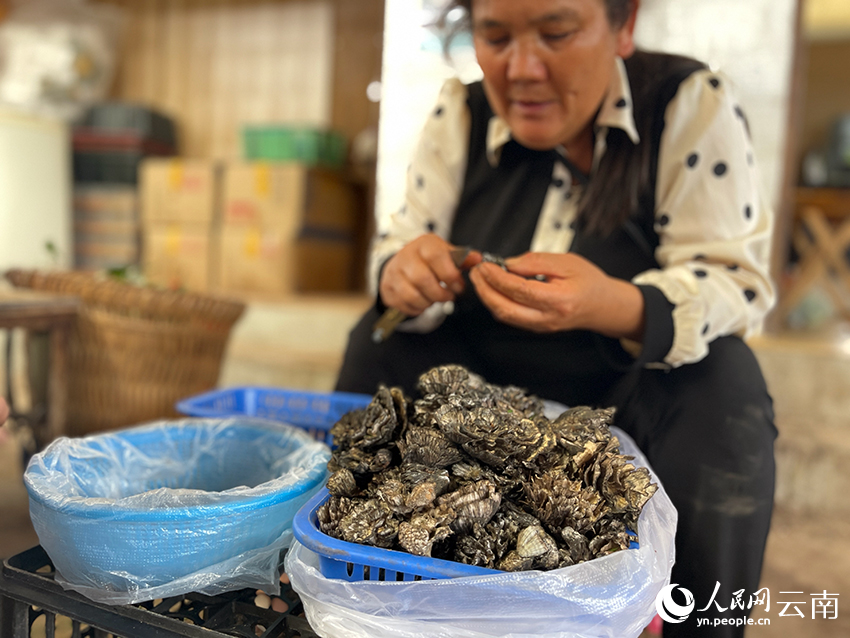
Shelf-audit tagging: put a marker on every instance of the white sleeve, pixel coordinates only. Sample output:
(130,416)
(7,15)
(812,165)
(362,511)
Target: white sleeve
(434,185)
(713,223)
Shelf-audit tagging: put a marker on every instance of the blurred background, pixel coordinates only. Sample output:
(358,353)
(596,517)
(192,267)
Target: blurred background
(232,154)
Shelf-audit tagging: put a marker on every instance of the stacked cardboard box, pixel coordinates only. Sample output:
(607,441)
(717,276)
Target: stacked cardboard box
(106,226)
(179,222)
(286,228)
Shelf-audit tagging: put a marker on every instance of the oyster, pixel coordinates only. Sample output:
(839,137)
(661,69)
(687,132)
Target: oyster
(477,547)
(428,446)
(449,379)
(575,547)
(494,259)
(472,503)
(513,562)
(359,461)
(342,483)
(494,437)
(375,425)
(391,490)
(426,484)
(419,535)
(533,542)
(331,513)
(369,522)
(475,472)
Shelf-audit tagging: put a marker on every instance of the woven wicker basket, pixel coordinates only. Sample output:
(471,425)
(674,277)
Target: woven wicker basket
(135,352)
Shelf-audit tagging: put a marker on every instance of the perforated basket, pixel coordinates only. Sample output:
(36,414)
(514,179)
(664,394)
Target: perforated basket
(315,412)
(353,562)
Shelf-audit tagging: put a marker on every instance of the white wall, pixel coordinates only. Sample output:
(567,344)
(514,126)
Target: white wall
(750,40)
(413,70)
(35,192)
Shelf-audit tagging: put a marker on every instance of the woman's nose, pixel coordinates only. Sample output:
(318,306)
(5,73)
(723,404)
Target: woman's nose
(525,64)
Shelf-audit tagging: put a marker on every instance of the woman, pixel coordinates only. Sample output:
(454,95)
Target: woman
(625,183)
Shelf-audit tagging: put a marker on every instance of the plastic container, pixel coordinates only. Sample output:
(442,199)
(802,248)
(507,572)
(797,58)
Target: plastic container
(305,145)
(174,506)
(353,562)
(608,597)
(314,412)
(117,167)
(123,118)
(38,606)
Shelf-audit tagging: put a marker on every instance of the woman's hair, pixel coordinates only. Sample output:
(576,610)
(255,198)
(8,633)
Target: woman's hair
(602,209)
(618,12)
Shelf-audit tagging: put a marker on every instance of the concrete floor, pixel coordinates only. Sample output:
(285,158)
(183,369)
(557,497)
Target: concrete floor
(298,344)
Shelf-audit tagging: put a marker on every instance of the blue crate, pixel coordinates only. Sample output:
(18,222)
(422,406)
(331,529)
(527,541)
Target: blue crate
(353,562)
(314,412)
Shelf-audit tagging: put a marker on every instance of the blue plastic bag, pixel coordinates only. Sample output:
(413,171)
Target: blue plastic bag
(174,506)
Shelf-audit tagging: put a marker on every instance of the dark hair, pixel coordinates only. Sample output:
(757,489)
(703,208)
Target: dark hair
(602,209)
(618,12)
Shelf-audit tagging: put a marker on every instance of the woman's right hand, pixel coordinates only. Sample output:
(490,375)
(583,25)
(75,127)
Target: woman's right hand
(411,279)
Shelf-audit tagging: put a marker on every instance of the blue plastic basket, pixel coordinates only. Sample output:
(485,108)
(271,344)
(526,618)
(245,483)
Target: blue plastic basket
(354,562)
(314,412)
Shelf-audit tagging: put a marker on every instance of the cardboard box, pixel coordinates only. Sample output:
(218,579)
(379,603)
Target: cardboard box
(287,197)
(178,256)
(178,191)
(324,265)
(105,202)
(106,227)
(286,228)
(276,262)
(255,260)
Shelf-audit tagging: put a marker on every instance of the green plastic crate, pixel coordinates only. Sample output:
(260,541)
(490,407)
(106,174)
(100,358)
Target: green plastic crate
(305,145)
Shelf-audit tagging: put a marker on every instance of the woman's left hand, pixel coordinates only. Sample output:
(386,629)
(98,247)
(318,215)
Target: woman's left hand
(576,295)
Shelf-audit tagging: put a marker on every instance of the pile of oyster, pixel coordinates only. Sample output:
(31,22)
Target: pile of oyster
(473,472)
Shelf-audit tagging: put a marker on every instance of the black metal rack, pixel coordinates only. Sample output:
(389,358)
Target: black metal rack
(28,591)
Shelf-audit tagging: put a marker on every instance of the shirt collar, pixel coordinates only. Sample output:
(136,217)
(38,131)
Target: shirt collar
(616,112)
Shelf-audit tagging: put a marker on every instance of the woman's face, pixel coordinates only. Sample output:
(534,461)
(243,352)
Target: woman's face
(547,64)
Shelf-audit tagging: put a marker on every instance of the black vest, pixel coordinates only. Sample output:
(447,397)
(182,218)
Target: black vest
(498,212)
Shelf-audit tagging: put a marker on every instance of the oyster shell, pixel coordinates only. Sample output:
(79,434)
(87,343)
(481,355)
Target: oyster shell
(449,379)
(342,483)
(369,522)
(534,543)
(472,503)
(425,483)
(359,461)
(428,446)
(375,425)
(513,562)
(419,535)
(474,472)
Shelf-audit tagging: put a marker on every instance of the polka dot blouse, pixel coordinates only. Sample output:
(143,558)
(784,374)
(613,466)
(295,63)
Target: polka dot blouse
(713,223)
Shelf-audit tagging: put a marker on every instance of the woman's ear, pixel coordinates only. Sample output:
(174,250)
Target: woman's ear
(625,35)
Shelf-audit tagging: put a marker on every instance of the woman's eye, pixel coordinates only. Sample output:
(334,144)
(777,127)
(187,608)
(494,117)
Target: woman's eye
(556,37)
(498,41)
